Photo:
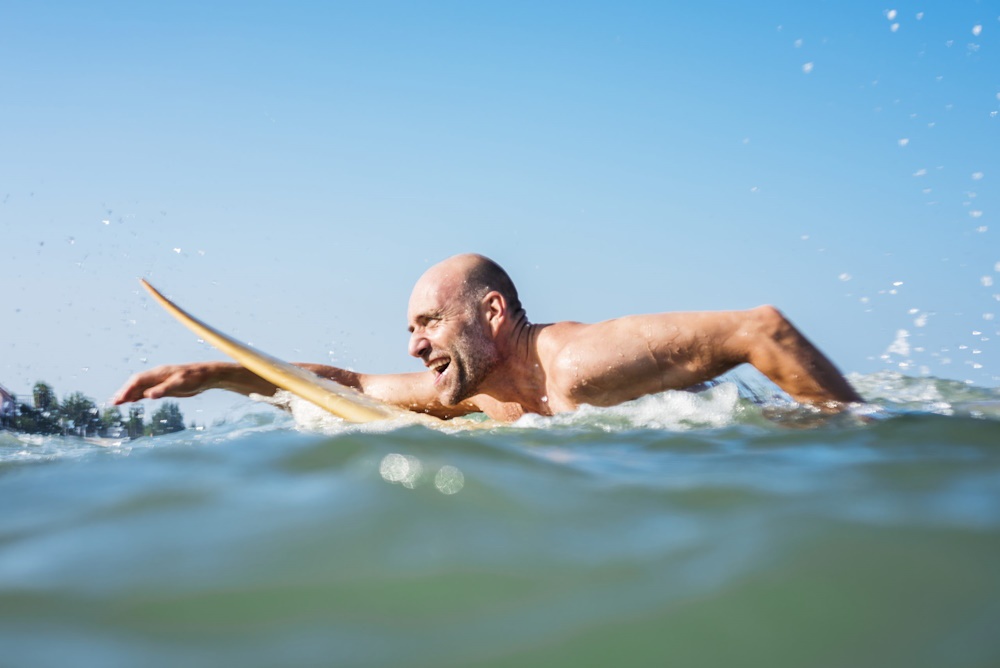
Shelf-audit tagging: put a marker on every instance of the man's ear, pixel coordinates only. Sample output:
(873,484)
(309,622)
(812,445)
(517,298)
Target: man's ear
(494,309)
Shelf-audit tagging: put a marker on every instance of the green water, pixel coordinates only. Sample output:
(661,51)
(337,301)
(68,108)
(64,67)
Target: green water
(676,531)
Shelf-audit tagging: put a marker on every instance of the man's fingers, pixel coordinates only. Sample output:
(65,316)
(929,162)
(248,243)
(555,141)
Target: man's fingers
(174,380)
(178,382)
(130,392)
(152,384)
(154,392)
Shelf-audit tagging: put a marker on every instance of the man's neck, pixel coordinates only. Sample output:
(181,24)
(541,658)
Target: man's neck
(519,378)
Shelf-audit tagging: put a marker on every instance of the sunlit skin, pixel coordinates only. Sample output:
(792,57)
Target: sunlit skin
(483,356)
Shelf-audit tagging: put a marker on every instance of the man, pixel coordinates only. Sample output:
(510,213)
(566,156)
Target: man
(467,324)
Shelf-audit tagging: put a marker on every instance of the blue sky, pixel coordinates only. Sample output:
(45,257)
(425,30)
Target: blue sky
(287,170)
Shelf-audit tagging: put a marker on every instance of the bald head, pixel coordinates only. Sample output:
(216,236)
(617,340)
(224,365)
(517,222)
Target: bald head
(472,277)
(462,315)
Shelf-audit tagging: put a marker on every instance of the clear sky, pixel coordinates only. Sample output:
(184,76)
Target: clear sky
(286,170)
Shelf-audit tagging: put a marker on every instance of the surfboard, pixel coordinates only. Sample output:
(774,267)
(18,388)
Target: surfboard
(340,400)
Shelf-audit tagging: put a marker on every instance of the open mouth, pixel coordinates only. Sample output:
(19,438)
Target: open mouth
(438,367)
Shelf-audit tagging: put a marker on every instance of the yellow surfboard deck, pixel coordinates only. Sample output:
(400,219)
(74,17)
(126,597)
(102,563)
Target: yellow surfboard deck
(342,401)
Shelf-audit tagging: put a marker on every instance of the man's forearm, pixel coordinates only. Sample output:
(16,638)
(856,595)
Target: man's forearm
(235,378)
(342,376)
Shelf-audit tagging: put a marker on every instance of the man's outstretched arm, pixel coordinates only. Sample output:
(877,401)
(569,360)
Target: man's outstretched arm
(412,391)
(782,353)
(622,359)
(187,380)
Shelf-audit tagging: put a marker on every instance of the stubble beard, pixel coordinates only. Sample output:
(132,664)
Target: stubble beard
(473,359)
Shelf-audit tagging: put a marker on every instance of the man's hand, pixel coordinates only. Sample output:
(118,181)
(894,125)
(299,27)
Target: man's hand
(187,380)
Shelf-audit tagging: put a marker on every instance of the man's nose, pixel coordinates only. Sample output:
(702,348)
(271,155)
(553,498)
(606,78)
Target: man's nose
(419,345)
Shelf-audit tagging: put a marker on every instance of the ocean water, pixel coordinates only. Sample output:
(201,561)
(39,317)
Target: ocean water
(681,529)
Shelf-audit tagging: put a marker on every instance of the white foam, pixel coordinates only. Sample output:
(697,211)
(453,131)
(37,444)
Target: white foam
(310,417)
(671,410)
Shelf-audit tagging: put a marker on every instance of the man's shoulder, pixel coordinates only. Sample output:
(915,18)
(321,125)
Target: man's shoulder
(567,351)
(558,340)
(569,338)
(599,363)
(553,337)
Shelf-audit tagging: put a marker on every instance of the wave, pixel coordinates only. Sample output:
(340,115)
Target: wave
(738,401)
(601,530)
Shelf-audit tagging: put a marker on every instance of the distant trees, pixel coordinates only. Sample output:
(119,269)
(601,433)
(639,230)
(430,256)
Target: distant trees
(78,415)
(134,427)
(41,418)
(111,420)
(166,420)
(44,397)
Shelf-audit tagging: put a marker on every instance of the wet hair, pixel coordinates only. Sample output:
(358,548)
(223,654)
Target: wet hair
(486,276)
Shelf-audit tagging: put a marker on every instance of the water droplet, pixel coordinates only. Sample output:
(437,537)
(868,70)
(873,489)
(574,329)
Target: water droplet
(402,469)
(977,30)
(449,480)
(900,346)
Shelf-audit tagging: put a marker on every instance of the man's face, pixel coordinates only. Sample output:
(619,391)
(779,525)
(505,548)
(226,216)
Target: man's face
(449,335)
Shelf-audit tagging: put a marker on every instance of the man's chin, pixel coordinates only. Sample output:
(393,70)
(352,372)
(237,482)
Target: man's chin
(453,396)
(449,399)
